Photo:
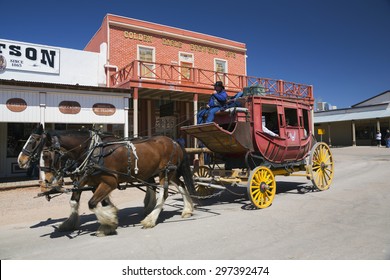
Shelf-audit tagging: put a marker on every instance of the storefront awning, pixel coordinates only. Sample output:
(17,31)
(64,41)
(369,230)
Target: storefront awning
(351,114)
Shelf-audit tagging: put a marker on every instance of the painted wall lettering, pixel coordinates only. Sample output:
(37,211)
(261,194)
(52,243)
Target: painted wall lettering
(138,36)
(205,49)
(16,105)
(34,58)
(69,107)
(103,109)
(230,54)
(172,43)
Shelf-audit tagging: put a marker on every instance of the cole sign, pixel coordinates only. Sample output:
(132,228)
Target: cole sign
(34,58)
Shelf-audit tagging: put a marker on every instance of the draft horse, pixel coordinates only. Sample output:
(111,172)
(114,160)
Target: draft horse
(103,162)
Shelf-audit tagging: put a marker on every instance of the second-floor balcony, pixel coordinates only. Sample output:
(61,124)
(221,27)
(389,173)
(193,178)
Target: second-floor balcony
(175,78)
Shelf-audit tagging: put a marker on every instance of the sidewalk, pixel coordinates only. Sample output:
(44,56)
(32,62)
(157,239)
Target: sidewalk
(14,183)
(21,182)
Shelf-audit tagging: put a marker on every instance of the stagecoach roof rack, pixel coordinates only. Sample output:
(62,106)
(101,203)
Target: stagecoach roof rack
(278,88)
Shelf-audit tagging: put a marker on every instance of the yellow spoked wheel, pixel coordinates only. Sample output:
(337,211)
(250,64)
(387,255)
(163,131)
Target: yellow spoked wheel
(321,166)
(261,187)
(203,172)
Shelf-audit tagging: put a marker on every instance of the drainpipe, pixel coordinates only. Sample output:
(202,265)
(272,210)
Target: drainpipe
(108,73)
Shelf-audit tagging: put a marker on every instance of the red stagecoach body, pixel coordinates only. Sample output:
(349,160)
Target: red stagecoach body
(268,133)
(239,130)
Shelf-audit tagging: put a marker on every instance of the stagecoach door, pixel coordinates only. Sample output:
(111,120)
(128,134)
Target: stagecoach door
(292,126)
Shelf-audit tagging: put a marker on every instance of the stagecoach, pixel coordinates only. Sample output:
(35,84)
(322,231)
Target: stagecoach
(268,132)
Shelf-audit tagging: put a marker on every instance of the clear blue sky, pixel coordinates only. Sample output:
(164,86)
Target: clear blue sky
(341,47)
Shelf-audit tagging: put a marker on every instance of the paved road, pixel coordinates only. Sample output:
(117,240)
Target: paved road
(351,221)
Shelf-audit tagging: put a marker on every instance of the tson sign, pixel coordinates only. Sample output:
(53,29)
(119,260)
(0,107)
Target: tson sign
(33,58)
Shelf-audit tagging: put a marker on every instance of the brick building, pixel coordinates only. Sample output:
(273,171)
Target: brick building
(169,71)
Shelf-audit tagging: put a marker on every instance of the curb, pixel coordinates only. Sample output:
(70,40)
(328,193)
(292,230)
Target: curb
(16,185)
(5,186)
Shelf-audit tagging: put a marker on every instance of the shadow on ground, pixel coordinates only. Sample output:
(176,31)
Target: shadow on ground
(132,216)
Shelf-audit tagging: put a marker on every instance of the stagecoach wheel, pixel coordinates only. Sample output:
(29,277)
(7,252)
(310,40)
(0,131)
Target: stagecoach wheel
(203,172)
(321,167)
(261,187)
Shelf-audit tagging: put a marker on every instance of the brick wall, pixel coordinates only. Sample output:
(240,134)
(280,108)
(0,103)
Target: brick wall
(124,41)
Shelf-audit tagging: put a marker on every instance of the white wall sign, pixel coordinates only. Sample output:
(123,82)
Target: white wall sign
(33,58)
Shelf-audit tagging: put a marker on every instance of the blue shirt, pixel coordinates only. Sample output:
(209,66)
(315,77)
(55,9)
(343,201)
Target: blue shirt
(218,99)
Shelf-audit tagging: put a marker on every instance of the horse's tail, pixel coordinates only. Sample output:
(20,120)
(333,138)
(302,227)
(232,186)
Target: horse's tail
(185,171)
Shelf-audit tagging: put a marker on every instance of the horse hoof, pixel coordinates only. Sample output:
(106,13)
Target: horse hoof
(105,230)
(186,215)
(147,223)
(70,224)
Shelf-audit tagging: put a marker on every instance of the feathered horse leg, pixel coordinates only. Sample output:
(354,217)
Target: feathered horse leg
(151,219)
(107,214)
(73,222)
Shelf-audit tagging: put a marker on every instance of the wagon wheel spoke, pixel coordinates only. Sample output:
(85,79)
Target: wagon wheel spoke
(321,166)
(261,187)
(203,191)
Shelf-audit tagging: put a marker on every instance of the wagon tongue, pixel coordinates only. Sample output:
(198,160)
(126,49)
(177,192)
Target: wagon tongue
(54,190)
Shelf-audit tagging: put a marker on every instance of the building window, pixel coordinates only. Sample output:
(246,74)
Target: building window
(147,57)
(17,135)
(365,130)
(185,69)
(221,69)
(186,65)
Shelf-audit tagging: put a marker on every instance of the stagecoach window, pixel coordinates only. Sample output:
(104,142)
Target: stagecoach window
(17,135)
(270,117)
(306,114)
(291,116)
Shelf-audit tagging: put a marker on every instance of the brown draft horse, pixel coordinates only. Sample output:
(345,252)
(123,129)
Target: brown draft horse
(103,162)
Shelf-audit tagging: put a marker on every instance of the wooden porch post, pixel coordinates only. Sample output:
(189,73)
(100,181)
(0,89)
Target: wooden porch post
(353,133)
(149,121)
(378,127)
(195,119)
(135,112)
(126,113)
(329,136)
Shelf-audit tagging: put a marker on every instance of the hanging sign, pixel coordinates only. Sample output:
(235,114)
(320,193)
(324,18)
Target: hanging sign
(321,131)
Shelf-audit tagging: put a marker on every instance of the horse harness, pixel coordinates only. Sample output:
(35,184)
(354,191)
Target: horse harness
(34,153)
(93,163)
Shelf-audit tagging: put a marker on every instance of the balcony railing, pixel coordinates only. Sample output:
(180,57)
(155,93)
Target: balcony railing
(137,71)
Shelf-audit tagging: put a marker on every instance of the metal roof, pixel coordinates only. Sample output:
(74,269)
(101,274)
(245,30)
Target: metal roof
(63,86)
(369,112)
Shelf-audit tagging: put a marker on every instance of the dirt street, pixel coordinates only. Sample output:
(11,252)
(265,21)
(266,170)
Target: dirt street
(350,221)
